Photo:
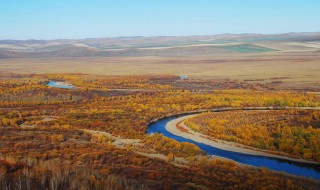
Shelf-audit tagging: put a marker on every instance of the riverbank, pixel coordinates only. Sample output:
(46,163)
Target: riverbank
(220,144)
(120,142)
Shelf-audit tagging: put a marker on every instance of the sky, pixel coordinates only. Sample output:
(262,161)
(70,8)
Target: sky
(74,19)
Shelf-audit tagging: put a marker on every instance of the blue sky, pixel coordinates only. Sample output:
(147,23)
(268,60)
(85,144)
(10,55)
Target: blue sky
(52,19)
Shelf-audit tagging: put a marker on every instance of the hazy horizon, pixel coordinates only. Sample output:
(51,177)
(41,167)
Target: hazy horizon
(155,36)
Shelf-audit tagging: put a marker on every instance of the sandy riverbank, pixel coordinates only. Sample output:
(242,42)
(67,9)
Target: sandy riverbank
(224,145)
(121,142)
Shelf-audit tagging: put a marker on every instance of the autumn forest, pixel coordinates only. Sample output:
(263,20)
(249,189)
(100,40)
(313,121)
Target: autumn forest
(94,136)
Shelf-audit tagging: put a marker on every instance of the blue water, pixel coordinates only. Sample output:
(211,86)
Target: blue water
(296,168)
(182,77)
(55,85)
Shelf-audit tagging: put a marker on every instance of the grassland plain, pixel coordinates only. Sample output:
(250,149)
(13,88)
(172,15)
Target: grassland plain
(293,70)
(290,60)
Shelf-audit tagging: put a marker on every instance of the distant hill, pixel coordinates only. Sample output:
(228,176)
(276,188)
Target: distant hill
(161,45)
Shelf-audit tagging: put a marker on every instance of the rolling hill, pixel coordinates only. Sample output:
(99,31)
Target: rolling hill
(161,46)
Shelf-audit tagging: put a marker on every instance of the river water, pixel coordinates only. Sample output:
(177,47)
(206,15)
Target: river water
(60,85)
(290,167)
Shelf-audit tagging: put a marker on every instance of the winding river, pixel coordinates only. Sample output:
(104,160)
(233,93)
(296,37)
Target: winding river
(281,165)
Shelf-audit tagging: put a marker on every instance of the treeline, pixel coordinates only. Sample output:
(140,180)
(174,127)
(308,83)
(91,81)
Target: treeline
(91,82)
(296,132)
(29,90)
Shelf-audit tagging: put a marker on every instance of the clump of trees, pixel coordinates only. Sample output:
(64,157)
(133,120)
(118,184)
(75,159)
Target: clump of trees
(296,132)
(169,146)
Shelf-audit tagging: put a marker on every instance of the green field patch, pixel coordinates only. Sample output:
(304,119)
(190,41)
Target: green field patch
(246,48)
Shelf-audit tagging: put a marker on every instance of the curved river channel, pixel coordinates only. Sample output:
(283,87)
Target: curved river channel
(290,167)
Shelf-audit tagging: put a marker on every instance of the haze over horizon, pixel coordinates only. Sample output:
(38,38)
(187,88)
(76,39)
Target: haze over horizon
(80,19)
(155,36)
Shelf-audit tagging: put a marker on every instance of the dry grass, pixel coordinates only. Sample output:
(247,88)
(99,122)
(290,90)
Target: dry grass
(298,68)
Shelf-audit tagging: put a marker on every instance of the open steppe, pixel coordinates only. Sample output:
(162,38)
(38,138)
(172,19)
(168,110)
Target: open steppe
(291,60)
